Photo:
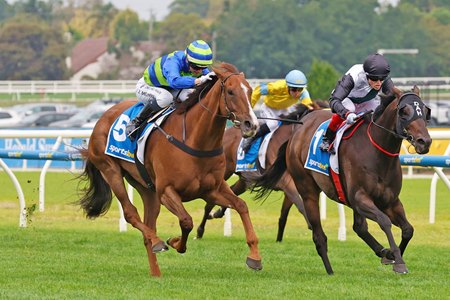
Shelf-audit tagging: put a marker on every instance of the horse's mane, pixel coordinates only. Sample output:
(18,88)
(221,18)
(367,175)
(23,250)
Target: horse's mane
(203,89)
(300,111)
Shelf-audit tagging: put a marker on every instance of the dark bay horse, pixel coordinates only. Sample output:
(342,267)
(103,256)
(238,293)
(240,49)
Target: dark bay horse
(184,160)
(369,169)
(231,140)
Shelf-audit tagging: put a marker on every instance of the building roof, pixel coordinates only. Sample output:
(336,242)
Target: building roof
(87,51)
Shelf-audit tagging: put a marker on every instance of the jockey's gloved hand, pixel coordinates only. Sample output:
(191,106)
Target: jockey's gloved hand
(351,118)
(204,78)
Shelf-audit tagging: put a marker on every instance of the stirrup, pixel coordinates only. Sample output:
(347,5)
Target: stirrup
(132,129)
(247,144)
(324,146)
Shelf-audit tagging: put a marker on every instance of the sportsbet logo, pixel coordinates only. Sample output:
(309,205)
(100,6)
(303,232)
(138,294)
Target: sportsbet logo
(121,151)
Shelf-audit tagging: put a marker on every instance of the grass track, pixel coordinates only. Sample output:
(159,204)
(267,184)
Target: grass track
(61,255)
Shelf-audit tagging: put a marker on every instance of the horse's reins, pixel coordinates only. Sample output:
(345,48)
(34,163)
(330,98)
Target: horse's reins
(402,136)
(194,152)
(230,115)
(281,119)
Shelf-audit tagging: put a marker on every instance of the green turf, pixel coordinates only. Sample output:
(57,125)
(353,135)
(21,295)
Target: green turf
(61,255)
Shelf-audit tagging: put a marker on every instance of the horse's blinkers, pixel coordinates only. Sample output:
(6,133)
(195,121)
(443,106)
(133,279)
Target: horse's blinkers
(419,109)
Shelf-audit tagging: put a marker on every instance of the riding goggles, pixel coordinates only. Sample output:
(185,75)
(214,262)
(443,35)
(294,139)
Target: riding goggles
(376,78)
(197,67)
(296,89)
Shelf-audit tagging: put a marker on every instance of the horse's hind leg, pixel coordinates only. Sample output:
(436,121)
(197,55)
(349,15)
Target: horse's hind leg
(224,196)
(112,174)
(172,201)
(285,207)
(151,212)
(311,202)
(291,192)
(201,227)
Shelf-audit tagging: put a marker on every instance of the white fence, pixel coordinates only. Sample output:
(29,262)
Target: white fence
(59,134)
(128,86)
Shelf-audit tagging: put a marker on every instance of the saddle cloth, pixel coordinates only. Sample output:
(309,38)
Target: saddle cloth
(120,146)
(246,162)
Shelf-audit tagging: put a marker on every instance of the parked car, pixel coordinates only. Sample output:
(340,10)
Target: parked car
(43,119)
(9,118)
(79,119)
(31,108)
(440,113)
(103,104)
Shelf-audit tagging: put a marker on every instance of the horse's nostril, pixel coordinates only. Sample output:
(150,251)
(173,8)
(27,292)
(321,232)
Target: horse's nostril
(247,124)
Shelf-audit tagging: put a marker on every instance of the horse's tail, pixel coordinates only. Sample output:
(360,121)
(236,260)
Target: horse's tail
(97,196)
(268,181)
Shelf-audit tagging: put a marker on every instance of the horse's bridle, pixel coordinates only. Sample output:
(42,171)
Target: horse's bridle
(401,124)
(230,115)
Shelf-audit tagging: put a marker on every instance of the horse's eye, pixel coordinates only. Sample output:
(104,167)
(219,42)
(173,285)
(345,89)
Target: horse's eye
(230,92)
(406,112)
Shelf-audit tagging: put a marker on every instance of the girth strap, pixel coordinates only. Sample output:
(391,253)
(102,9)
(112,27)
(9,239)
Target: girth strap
(189,150)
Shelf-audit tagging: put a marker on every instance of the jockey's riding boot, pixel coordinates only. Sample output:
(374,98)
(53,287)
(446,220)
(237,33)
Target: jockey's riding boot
(134,124)
(247,142)
(327,139)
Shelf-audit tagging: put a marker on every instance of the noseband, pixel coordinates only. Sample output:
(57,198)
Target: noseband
(401,124)
(230,115)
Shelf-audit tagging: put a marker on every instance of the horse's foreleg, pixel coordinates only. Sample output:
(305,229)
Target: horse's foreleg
(398,217)
(201,227)
(365,206)
(172,200)
(360,226)
(224,196)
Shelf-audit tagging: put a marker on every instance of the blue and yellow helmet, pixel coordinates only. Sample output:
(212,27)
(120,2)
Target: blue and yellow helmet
(199,53)
(296,78)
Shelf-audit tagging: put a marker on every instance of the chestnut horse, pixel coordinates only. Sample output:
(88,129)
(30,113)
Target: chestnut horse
(369,169)
(231,140)
(184,160)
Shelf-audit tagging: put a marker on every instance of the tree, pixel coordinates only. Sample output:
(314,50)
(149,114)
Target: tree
(178,30)
(30,49)
(322,79)
(127,29)
(5,10)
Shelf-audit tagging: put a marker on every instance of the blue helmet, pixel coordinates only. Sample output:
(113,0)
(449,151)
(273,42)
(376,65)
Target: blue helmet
(199,53)
(296,78)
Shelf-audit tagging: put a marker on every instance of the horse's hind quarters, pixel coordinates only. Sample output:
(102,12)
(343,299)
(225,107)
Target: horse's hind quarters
(254,264)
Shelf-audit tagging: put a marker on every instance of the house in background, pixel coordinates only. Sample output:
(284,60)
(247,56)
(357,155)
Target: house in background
(90,58)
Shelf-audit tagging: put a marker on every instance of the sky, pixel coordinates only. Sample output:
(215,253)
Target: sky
(159,8)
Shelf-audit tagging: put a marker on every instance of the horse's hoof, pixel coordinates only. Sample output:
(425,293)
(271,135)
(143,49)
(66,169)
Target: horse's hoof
(160,247)
(387,261)
(174,243)
(254,264)
(400,268)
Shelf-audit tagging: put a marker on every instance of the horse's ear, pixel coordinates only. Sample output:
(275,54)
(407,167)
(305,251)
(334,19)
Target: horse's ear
(242,73)
(416,90)
(397,92)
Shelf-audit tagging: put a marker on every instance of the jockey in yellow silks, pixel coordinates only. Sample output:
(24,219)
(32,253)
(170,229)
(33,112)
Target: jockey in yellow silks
(279,98)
